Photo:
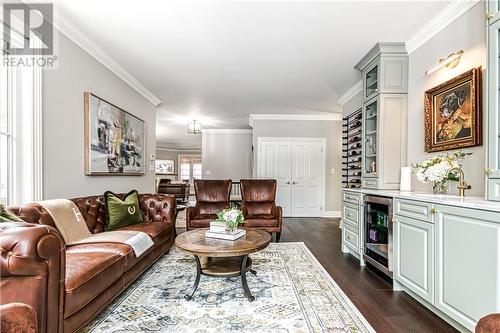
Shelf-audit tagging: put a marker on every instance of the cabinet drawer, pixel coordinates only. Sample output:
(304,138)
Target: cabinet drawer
(370,183)
(414,209)
(351,239)
(351,197)
(350,215)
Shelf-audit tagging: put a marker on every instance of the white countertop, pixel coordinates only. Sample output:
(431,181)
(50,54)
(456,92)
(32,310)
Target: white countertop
(450,200)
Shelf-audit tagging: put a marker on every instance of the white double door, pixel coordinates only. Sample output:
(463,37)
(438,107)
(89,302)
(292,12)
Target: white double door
(298,165)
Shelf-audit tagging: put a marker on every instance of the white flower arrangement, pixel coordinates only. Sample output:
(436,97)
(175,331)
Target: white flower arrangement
(436,169)
(233,217)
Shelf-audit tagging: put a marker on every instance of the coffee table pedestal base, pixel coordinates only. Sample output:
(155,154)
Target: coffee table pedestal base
(223,267)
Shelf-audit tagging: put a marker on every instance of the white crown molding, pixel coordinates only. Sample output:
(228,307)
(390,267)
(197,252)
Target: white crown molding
(353,91)
(332,117)
(193,149)
(445,17)
(227,131)
(94,50)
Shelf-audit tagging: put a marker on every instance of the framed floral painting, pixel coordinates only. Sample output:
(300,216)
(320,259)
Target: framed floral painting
(453,113)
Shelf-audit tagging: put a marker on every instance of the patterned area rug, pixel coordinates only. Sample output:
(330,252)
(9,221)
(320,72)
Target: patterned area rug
(293,294)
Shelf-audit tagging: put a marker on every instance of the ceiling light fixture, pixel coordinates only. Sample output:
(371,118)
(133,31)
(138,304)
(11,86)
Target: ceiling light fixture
(451,61)
(194,127)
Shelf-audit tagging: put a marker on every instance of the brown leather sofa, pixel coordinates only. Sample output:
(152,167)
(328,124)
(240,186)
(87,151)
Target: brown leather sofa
(212,196)
(259,206)
(17,318)
(67,286)
(489,324)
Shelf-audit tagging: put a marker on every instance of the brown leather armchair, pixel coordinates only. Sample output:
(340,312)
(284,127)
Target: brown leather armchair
(259,206)
(212,196)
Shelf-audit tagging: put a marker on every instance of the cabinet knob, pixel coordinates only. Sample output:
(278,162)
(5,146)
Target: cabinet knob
(349,215)
(349,237)
(434,211)
(394,220)
(489,16)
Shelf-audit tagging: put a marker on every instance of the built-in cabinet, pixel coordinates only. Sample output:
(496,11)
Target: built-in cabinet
(448,257)
(493,78)
(352,223)
(385,85)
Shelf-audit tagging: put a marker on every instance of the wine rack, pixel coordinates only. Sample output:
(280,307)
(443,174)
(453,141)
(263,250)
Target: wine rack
(352,152)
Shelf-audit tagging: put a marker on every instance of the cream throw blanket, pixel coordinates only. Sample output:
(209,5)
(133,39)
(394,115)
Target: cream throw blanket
(72,227)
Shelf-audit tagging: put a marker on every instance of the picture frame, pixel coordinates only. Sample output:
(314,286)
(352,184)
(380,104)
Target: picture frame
(114,139)
(453,113)
(165,167)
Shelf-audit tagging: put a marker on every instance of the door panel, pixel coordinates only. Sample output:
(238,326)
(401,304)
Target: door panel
(307,169)
(275,164)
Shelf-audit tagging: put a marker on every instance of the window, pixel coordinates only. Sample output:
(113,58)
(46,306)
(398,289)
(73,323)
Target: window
(190,167)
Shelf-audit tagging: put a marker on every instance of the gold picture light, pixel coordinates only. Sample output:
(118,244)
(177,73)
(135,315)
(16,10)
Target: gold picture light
(451,61)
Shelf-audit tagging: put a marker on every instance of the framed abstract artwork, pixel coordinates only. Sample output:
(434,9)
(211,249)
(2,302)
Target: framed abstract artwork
(453,115)
(114,139)
(164,167)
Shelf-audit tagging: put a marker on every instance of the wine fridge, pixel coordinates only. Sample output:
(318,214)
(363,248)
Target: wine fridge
(378,233)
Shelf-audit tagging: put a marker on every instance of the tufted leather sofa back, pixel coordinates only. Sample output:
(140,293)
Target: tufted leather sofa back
(154,207)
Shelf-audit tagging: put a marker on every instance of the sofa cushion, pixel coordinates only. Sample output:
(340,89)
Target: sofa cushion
(87,275)
(124,250)
(259,208)
(158,231)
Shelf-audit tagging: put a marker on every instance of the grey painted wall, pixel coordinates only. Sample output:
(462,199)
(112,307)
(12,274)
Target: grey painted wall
(226,155)
(468,33)
(63,135)
(331,130)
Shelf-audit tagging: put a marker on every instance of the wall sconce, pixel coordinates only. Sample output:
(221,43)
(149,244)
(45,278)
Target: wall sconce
(450,62)
(194,127)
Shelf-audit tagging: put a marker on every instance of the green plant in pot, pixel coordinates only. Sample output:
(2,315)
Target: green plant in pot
(232,217)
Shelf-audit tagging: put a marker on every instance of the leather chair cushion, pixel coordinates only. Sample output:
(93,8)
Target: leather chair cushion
(87,275)
(260,208)
(256,223)
(158,231)
(200,222)
(210,208)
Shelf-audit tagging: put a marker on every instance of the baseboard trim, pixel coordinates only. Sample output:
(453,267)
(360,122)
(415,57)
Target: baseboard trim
(331,213)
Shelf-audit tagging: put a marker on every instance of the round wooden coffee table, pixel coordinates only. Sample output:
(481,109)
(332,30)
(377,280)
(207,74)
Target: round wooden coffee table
(222,258)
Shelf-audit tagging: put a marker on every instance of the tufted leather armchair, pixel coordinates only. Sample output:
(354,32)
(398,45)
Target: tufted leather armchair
(259,206)
(212,196)
(67,286)
(17,317)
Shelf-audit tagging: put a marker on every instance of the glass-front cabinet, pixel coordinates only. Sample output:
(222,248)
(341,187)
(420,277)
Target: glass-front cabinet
(493,160)
(370,138)
(370,85)
(493,11)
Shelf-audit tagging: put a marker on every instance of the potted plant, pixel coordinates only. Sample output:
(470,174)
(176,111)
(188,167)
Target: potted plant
(436,169)
(232,217)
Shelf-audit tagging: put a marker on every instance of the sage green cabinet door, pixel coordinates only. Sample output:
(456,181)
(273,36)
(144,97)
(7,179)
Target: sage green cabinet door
(467,263)
(414,256)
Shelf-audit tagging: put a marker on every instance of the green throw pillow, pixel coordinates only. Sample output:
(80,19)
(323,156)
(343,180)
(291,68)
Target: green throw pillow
(120,213)
(6,216)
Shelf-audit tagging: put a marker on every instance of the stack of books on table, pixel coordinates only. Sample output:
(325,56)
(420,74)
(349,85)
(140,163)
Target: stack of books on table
(218,230)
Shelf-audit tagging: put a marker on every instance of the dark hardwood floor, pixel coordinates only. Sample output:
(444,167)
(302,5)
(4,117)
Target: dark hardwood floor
(386,310)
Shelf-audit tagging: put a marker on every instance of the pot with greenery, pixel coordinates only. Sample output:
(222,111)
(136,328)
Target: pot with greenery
(232,217)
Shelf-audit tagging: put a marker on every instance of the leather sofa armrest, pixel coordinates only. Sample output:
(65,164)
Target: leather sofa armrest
(32,263)
(244,210)
(17,317)
(158,207)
